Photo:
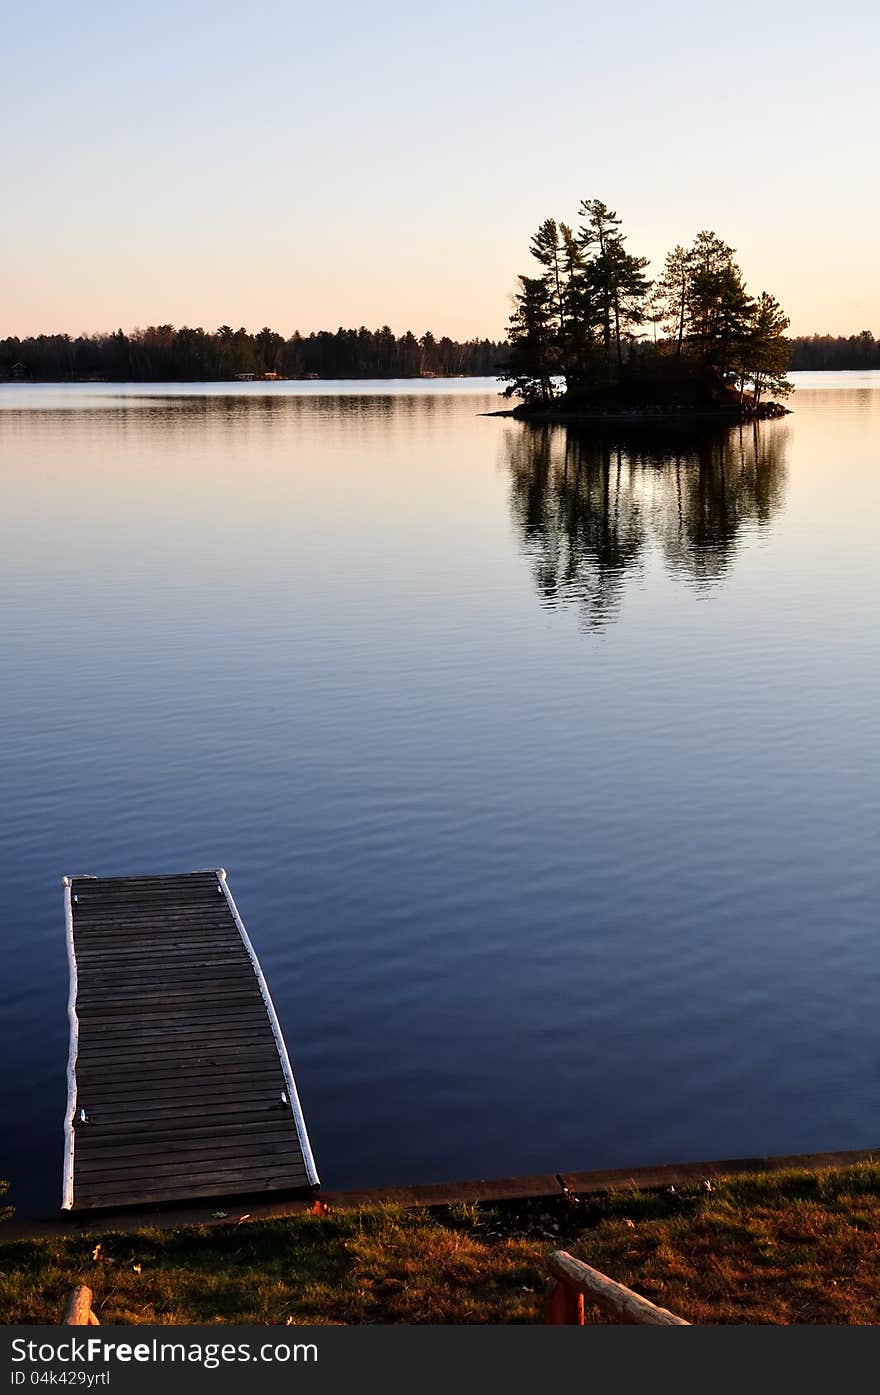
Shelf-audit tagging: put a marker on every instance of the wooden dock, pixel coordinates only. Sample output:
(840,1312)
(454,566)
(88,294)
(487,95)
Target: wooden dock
(179,1083)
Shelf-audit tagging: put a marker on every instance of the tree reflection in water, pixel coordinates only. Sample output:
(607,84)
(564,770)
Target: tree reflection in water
(592,505)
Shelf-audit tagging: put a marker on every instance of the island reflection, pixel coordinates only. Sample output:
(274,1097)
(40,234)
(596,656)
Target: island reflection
(591,507)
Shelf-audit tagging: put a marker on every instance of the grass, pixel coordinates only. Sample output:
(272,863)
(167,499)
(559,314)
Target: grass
(793,1247)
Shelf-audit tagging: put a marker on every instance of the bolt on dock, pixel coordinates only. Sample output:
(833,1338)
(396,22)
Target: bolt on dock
(179,1082)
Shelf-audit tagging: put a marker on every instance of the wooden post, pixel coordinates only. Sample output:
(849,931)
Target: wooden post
(563,1306)
(79,1308)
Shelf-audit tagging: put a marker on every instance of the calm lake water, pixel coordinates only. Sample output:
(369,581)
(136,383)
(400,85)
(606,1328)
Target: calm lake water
(545,766)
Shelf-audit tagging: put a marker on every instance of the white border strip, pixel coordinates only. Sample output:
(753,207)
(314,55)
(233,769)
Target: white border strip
(293,1097)
(67,1183)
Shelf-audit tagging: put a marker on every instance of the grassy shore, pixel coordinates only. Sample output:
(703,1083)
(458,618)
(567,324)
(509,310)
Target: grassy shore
(789,1247)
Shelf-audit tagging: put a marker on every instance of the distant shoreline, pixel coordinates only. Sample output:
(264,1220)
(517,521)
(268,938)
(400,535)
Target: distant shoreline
(252,379)
(389,377)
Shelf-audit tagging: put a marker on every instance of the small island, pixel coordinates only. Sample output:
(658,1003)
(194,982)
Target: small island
(592,337)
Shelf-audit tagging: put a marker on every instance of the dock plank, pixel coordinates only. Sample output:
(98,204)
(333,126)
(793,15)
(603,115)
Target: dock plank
(179,1084)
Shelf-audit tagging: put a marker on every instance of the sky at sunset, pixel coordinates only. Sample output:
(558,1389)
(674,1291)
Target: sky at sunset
(343,163)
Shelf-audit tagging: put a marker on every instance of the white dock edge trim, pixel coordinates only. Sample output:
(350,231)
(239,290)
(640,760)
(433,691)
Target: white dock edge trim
(67,1180)
(293,1097)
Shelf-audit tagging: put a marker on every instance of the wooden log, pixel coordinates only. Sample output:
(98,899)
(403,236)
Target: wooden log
(79,1308)
(613,1298)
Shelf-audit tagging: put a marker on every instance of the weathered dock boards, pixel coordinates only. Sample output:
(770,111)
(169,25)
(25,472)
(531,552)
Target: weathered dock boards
(179,1084)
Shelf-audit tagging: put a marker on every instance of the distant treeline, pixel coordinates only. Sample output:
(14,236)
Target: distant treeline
(162,353)
(826,351)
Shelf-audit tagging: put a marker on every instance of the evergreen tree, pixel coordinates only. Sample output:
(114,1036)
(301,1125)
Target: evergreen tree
(533,336)
(598,235)
(619,283)
(717,303)
(630,291)
(430,359)
(579,351)
(268,345)
(673,289)
(547,249)
(763,354)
